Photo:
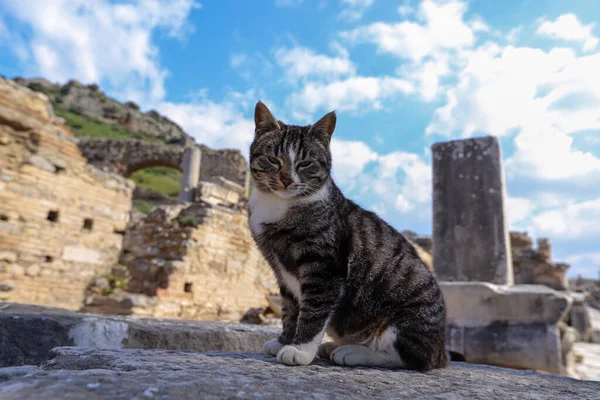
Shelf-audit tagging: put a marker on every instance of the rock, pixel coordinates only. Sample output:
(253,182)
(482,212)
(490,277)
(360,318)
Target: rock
(8,256)
(29,332)
(137,374)
(42,163)
(469,225)
(588,366)
(33,270)
(6,287)
(593,332)
(89,101)
(215,194)
(513,327)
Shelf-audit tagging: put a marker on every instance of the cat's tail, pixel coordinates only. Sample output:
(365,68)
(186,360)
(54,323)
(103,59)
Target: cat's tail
(456,356)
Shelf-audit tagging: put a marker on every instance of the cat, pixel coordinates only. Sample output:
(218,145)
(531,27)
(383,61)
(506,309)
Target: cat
(341,269)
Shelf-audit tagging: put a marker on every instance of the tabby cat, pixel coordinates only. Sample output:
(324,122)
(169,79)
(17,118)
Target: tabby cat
(341,269)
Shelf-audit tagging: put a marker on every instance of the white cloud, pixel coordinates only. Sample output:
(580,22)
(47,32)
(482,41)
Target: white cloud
(215,124)
(518,209)
(301,63)
(572,221)
(591,258)
(352,94)
(104,42)
(428,46)
(398,182)
(238,59)
(568,27)
(543,96)
(354,9)
(405,10)
(350,159)
(441,28)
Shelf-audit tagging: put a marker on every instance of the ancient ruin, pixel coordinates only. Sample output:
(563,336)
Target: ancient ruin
(67,236)
(198,163)
(489,320)
(194,261)
(62,222)
(470,233)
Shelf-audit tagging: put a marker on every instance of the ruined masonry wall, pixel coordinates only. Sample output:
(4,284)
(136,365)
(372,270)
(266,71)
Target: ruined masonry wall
(61,221)
(209,270)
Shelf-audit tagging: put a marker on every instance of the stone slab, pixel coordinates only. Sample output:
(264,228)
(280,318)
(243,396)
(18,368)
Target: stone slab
(514,327)
(138,374)
(588,367)
(470,231)
(28,333)
(477,304)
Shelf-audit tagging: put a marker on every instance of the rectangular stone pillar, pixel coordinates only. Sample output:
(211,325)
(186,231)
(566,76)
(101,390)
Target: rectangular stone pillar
(470,232)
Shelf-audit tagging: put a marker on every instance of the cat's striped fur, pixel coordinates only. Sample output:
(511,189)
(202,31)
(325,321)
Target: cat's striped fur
(341,269)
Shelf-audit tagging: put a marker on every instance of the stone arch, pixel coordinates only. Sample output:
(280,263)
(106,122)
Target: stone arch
(131,168)
(127,156)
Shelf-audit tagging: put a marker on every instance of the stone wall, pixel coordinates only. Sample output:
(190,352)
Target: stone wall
(61,221)
(534,265)
(195,261)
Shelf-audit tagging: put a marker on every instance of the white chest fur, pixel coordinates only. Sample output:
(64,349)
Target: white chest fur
(290,282)
(265,208)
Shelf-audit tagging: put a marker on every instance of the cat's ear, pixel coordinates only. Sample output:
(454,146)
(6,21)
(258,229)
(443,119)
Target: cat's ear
(264,121)
(326,124)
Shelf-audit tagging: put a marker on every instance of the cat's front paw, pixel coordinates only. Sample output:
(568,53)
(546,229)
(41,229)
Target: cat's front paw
(272,347)
(290,355)
(326,349)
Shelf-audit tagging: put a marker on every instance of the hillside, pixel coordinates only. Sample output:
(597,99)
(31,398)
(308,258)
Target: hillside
(90,113)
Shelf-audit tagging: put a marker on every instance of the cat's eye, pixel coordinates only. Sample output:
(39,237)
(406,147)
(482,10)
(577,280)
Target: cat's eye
(273,160)
(304,164)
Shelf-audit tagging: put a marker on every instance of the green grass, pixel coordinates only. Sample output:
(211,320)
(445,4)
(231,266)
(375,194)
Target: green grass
(164,180)
(143,206)
(85,126)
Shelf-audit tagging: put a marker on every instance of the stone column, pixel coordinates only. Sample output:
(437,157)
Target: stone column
(191,174)
(470,232)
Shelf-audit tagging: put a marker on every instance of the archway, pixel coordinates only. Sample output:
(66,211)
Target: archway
(158,182)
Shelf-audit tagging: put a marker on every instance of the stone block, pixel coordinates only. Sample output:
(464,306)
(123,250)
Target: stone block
(30,332)
(213,193)
(136,374)
(82,255)
(514,327)
(470,232)
(593,318)
(8,256)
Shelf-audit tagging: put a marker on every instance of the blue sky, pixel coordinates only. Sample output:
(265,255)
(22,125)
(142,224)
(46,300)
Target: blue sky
(401,75)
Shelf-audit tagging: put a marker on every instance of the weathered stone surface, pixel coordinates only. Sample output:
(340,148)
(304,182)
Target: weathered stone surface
(197,259)
(593,332)
(48,194)
(28,333)
(588,360)
(215,194)
(469,225)
(535,265)
(42,163)
(513,327)
(137,374)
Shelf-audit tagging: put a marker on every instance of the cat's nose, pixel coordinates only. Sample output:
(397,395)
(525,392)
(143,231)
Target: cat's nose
(286,181)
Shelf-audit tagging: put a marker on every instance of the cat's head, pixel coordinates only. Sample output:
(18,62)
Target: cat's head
(289,160)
